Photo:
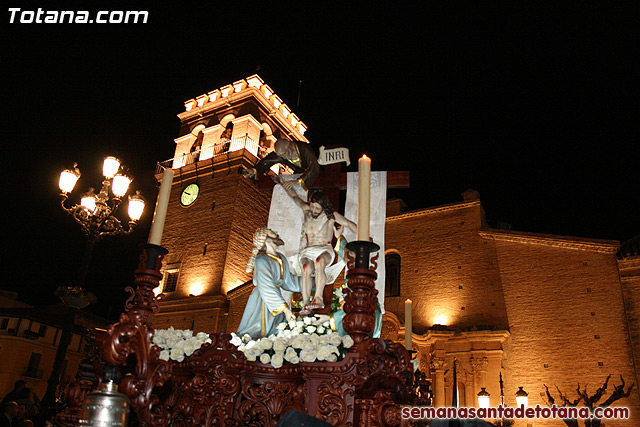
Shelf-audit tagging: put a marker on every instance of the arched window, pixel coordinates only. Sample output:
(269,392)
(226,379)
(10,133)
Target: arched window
(392,279)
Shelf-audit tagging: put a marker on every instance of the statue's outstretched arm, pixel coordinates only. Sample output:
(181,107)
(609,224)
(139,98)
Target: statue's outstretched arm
(296,199)
(342,220)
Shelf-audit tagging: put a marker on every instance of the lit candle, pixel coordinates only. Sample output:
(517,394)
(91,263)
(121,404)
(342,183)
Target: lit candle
(407,323)
(157,227)
(364,190)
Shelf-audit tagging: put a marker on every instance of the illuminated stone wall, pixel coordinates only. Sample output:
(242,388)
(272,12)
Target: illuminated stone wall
(447,270)
(630,279)
(566,316)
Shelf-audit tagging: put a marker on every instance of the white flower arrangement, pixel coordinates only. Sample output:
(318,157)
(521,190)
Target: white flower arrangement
(176,344)
(296,341)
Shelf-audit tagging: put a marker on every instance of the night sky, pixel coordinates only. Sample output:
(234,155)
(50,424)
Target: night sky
(534,106)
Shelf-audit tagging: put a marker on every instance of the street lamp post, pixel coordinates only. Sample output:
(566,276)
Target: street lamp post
(96,216)
(96,212)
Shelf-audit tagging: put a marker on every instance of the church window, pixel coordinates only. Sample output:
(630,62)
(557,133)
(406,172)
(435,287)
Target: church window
(392,278)
(32,370)
(171,279)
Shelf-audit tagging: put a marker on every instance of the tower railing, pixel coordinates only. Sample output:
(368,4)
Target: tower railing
(212,151)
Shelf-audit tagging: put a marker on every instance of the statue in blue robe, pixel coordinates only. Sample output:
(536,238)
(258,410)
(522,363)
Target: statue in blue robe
(266,307)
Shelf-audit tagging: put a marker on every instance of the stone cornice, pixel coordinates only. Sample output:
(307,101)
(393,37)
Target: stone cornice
(193,303)
(252,86)
(472,336)
(435,210)
(564,242)
(238,291)
(629,267)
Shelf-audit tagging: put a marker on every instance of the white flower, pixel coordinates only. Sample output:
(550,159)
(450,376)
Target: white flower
(266,343)
(307,320)
(235,340)
(308,356)
(158,339)
(250,355)
(292,323)
(177,354)
(321,330)
(295,359)
(276,360)
(311,329)
(315,339)
(289,354)
(300,323)
(173,342)
(298,341)
(347,341)
(327,324)
(332,358)
(282,326)
(265,358)
(191,345)
(279,345)
(335,338)
(246,338)
(308,346)
(323,352)
(202,336)
(164,355)
(250,344)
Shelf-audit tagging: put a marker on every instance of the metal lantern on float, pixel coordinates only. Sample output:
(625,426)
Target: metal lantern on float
(106,407)
(484,399)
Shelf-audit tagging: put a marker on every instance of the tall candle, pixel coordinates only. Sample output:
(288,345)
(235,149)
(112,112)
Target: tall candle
(159,216)
(364,190)
(408,326)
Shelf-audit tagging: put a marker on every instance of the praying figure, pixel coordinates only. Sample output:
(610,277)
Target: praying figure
(317,254)
(266,307)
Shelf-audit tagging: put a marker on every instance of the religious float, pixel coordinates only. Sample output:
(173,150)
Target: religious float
(365,384)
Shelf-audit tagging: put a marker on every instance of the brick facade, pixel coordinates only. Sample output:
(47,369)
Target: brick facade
(210,246)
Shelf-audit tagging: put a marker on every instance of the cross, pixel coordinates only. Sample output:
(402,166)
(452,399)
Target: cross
(332,181)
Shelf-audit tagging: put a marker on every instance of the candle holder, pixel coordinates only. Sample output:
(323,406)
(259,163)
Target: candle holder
(359,320)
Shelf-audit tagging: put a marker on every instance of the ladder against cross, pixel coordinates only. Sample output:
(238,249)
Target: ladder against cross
(332,181)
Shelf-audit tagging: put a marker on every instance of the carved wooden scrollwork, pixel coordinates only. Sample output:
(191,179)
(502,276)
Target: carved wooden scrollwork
(335,400)
(217,386)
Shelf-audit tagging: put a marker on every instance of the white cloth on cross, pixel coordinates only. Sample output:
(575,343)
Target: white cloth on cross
(285,218)
(378,216)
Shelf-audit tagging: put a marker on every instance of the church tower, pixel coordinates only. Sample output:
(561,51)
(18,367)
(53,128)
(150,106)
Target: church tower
(213,210)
